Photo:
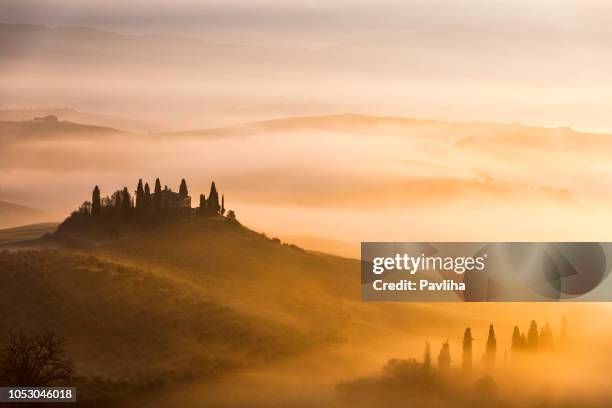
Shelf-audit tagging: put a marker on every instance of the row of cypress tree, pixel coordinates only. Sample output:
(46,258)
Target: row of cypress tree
(146,202)
(534,341)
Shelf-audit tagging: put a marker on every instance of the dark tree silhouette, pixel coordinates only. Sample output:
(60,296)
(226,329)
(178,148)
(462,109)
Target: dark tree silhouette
(517,340)
(546,342)
(491,349)
(213,200)
(139,196)
(444,359)
(85,209)
(122,213)
(126,201)
(183,188)
(116,200)
(34,361)
(95,201)
(427,356)
(532,336)
(202,204)
(467,350)
(157,195)
(147,197)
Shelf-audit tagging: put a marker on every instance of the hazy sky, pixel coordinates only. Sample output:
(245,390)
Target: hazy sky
(306,22)
(536,62)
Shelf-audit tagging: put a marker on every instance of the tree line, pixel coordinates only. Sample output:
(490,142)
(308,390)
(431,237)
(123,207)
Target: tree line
(145,201)
(145,207)
(536,341)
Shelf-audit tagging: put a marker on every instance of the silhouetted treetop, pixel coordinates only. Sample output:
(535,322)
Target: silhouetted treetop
(140,196)
(532,336)
(467,349)
(444,359)
(491,350)
(95,201)
(120,209)
(427,356)
(183,188)
(213,200)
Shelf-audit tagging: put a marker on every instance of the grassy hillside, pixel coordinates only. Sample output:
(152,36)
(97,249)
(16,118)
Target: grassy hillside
(195,299)
(247,270)
(122,322)
(167,305)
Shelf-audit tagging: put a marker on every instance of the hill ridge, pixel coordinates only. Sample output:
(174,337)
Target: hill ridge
(321,121)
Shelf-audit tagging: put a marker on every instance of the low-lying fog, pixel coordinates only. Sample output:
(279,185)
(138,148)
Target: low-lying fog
(362,372)
(344,179)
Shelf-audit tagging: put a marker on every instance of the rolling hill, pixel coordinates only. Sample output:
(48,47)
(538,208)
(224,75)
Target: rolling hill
(12,214)
(50,130)
(194,299)
(26,232)
(173,316)
(347,122)
(202,302)
(85,118)
(476,133)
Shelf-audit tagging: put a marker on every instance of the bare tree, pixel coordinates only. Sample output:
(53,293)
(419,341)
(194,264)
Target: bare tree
(35,361)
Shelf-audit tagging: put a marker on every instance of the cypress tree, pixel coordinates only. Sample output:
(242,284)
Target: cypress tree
(202,204)
(491,350)
(157,195)
(116,200)
(516,340)
(213,200)
(95,201)
(222,204)
(126,201)
(532,336)
(147,197)
(467,350)
(546,342)
(183,188)
(444,358)
(427,356)
(139,196)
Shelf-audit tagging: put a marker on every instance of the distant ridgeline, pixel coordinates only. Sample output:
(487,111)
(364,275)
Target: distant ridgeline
(122,212)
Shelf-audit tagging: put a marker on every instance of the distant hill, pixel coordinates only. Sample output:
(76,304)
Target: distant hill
(50,129)
(392,125)
(86,118)
(14,214)
(120,64)
(347,122)
(26,232)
